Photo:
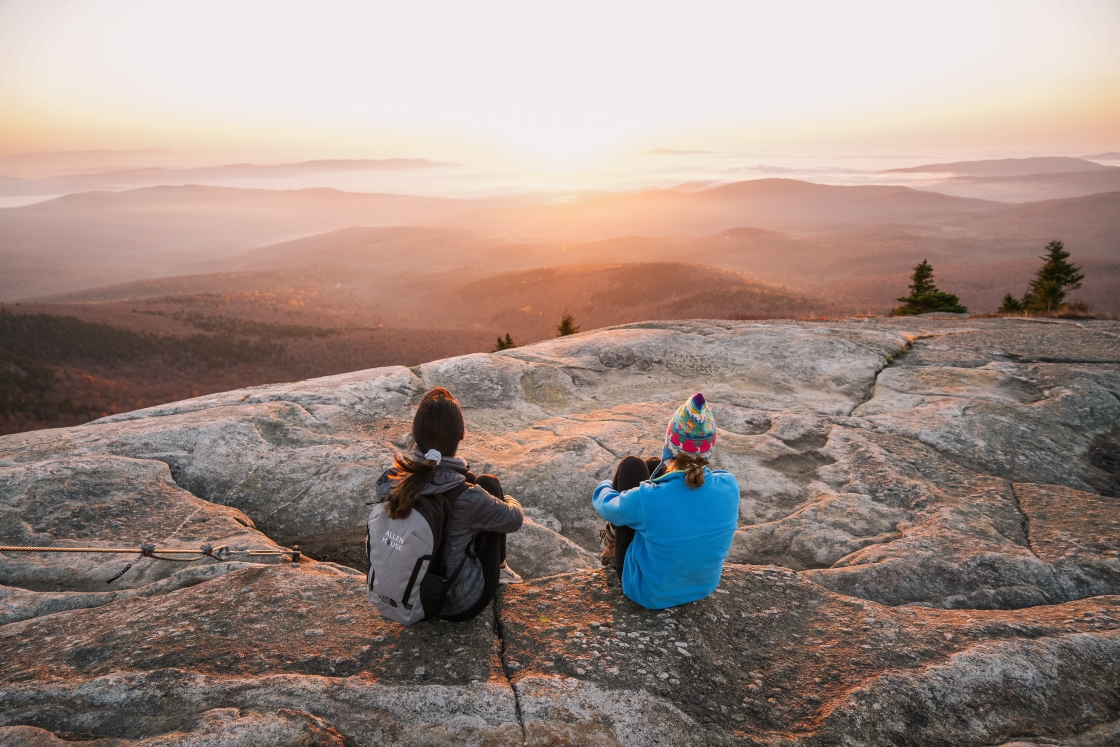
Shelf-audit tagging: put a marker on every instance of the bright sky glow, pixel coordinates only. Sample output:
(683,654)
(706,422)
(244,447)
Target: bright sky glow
(556,81)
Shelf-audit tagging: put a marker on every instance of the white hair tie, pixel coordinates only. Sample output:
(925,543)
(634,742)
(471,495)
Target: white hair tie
(433,456)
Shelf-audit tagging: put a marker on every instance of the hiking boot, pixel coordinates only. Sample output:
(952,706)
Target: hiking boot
(606,536)
(507,575)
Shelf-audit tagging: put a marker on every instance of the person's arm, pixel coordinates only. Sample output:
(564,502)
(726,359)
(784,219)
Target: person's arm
(621,509)
(490,514)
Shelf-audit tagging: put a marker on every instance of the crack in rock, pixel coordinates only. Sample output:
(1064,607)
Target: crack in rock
(499,631)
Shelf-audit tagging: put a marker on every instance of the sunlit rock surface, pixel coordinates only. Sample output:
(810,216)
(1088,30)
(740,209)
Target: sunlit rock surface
(928,553)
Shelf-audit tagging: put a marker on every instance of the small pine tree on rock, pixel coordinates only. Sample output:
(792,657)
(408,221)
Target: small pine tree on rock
(567,325)
(921,282)
(1053,279)
(1011,305)
(925,297)
(505,344)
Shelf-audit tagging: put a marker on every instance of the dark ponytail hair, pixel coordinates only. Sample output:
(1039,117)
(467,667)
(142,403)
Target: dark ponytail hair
(438,425)
(692,465)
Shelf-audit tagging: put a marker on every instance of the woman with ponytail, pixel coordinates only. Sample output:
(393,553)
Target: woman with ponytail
(480,513)
(670,521)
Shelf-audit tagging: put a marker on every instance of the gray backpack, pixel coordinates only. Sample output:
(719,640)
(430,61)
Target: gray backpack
(407,577)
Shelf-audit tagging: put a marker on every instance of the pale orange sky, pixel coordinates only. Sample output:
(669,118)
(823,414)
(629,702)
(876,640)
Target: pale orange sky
(553,83)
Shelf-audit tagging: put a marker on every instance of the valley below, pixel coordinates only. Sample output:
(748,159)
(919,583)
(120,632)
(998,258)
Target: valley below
(208,288)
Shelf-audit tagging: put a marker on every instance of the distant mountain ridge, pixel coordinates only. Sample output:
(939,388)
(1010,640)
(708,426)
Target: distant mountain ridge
(284,169)
(776,204)
(96,238)
(56,163)
(1005,167)
(530,302)
(854,243)
(675,152)
(160,176)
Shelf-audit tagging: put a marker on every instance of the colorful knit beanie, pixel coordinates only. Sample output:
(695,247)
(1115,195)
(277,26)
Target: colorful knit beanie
(692,431)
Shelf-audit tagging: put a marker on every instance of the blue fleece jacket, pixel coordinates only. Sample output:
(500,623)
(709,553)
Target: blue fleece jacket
(682,535)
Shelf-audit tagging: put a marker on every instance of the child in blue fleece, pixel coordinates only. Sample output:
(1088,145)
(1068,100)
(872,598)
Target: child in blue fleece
(668,535)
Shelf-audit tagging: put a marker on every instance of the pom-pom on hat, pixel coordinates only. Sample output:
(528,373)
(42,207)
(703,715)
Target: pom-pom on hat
(692,430)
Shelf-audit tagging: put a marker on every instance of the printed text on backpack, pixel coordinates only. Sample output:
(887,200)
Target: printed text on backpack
(407,579)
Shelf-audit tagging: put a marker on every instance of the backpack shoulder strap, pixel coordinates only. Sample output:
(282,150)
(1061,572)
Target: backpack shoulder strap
(436,509)
(448,497)
(441,553)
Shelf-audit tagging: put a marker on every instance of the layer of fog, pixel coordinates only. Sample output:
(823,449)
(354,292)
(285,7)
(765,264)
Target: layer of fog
(25,179)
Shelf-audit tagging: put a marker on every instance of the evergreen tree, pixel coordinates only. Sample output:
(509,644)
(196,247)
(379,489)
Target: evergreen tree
(925,297)
(1053,279)
(921,282)
(1011,305)
(505,344)
(568,325)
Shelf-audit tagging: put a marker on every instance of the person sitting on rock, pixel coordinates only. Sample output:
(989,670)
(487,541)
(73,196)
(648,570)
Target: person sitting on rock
(667,536)
(480,516)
